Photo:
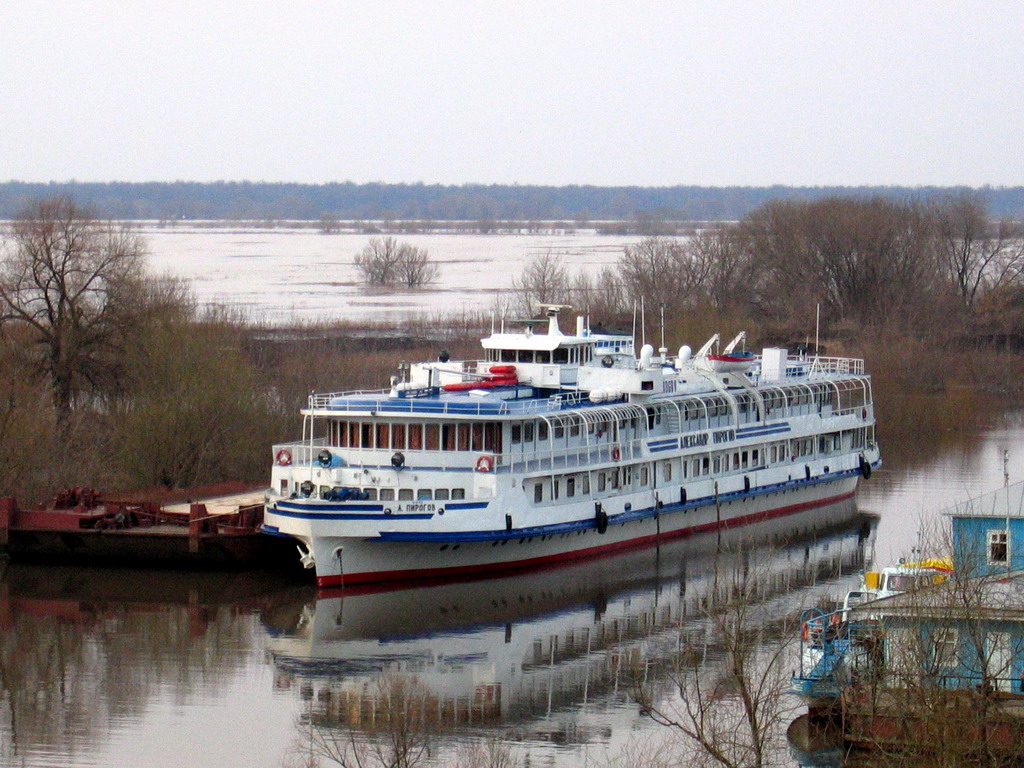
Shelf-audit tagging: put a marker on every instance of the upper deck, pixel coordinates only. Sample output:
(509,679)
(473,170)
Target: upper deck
(523,399)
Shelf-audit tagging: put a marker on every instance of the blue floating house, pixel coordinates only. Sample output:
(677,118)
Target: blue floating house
(940,667)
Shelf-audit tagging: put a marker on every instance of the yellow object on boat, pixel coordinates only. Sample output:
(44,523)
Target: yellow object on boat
(938,563)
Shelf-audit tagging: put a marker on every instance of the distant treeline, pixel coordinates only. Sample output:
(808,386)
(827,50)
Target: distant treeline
(228,200)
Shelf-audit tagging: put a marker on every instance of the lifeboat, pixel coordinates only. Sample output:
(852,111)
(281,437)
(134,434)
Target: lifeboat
(497,376)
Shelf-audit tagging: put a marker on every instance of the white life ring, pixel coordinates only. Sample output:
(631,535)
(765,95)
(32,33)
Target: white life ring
(484,464)
(283,457)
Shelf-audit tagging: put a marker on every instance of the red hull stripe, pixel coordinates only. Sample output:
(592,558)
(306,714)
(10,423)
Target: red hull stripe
(565,557)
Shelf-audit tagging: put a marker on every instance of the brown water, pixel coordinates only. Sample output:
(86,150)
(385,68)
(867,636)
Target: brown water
(146,669)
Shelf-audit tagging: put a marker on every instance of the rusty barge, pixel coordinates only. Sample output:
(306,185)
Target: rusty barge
(81,526)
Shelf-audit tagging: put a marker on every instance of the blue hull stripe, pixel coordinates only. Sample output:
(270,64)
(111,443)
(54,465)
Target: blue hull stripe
(339,515)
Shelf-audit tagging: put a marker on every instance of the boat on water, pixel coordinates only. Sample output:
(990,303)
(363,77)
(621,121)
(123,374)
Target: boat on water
(555,446)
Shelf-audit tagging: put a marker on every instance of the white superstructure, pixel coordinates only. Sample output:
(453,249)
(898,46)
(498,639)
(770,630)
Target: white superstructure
(557,446)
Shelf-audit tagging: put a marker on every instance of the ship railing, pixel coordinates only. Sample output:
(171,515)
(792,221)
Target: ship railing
(381,401)
(324,399)
(829,366)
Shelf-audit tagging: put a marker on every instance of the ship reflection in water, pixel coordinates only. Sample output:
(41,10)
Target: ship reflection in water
(519,652)
(110,666)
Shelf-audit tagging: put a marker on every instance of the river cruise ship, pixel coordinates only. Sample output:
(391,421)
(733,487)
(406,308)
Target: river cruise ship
(556,446)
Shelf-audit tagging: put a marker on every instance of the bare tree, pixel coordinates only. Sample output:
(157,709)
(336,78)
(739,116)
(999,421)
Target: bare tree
(74,282)
(386,262)
(377,262)
(329,224)
(543,281)
(662,271)
(726,268)
(867,261)
(978,253)
(601,294)
(414,268)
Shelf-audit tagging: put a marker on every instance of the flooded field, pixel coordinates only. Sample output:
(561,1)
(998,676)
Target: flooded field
(281,275)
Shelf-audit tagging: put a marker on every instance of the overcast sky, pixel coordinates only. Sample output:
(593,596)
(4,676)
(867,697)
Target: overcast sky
(710,93)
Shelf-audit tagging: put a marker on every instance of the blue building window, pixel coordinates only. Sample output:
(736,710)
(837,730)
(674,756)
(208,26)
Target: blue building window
(998,547)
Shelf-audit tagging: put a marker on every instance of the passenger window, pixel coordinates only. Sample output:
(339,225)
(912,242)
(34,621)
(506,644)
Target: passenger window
(441,494)
(424,494)
(458,493)
(387,494)
(405,494)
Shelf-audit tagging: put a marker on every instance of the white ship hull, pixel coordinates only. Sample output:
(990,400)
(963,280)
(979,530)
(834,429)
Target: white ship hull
(343,559)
